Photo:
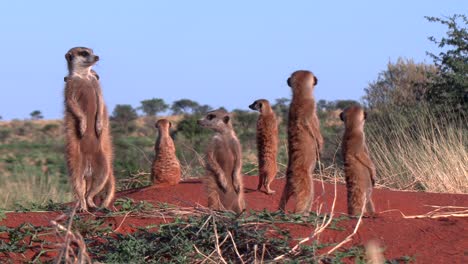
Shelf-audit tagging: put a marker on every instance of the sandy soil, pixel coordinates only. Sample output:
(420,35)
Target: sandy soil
(443,240)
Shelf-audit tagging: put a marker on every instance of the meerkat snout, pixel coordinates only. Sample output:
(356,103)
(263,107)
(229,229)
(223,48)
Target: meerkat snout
(257,106)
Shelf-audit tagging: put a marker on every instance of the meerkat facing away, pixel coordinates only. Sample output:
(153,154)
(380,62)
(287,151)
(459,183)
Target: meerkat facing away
(224,182)
(166,166)
(267,144)
(87,136)
(359,168)
(304,142)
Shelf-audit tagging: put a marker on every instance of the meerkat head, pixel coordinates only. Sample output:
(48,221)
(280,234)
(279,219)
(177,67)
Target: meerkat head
(353,116)
(217,120)
(163,124)
(80,60)
(302,81)
(261,105)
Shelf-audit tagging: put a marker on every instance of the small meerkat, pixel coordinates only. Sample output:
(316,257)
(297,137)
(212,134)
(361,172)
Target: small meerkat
(304,142)
(267,143)
(166,166)
(359,168)
(87,135)
(224,182)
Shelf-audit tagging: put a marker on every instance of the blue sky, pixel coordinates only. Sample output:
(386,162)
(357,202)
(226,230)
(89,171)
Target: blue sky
(213,52)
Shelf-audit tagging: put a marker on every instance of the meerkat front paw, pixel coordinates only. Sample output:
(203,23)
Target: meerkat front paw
(222,183)
(83,128)
(99,127)
(236,186)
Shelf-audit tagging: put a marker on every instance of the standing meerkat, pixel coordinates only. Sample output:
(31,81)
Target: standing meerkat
(223,164)
(304,142)
(359,168)
(166,166)
(88,141)
(267,144)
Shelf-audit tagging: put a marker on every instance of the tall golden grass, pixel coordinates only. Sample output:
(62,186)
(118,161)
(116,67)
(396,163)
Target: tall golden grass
(420,150)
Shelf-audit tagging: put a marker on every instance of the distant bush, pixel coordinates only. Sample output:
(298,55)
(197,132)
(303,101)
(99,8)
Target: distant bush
(4,134)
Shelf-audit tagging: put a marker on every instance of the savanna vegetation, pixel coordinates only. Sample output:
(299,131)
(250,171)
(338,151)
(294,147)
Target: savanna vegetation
(417,131)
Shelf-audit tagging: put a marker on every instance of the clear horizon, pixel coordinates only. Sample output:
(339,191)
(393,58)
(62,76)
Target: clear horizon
(220,54)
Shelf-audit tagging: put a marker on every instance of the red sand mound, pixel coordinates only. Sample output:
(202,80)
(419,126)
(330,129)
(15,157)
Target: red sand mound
(443,240)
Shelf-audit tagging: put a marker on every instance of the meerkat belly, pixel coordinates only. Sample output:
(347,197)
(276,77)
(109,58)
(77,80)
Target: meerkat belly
(226,162)
(88,102)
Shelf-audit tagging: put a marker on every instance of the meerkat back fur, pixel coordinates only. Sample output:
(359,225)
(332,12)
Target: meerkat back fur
(224,184)
(359,168)
(87,135)
(267,144)
(166,166)
(304,142)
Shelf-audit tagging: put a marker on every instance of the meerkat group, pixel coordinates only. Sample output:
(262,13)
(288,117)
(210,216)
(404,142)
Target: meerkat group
(89,147)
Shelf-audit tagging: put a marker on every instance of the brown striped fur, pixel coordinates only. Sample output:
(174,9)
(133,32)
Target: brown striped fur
(359,168)
(223,182)
(166,166)
(304,142)
(267,144)
(87,135)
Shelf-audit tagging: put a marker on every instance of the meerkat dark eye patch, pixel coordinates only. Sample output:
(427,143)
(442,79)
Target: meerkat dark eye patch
(342,116)
(210,117)
(289,81)
(83,53)
(69,56)
(365,115)
(226,119)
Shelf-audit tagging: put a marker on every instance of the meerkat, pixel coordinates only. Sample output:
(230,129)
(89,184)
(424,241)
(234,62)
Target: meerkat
(304,142)
(87,135)
(93,72)
(224,182)
(267,144)
(166,166)
(359,168)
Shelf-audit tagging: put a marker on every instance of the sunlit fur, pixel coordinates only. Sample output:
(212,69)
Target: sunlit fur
(304,142)
(223,164)
(359,168)
(166,166)
(267,144)
(87,135)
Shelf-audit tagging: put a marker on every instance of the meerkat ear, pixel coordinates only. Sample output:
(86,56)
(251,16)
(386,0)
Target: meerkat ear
(65,79)
(226,119)
(365,115)
(315,80)
(289,81)
(342,116)
(170,124)
(260,105)
(68,56)
(156,124)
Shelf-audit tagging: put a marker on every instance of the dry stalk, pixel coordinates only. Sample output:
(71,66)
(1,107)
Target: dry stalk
(218,248)
(349,238)
(205,256)
(439,212)
(68,253)
(318,230)
(235,247)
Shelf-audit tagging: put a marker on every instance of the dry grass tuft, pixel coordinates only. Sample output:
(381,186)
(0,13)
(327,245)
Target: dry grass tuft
(421,151)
